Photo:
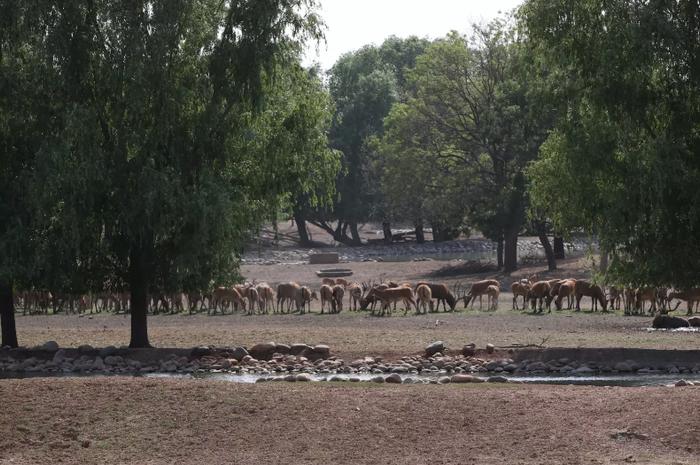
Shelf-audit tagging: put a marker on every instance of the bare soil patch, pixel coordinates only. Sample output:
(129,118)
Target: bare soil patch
(149,421)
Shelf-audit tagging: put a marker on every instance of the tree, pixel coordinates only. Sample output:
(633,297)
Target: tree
(620,162)
(473,100)
(363,85)
(151,158)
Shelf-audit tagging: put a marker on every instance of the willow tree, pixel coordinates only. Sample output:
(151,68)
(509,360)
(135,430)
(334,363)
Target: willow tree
(149,157)
(624,159)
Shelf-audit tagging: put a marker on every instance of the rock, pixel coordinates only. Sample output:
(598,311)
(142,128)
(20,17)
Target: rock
(239,353)
(263,351)
(323,350)
(583,370)
(469,350)
(444,380)
(107,351)
(304,377)
(683,382)
(86,349)
(113,360)
(98,364)
(283,349)
(537,366)
(247,360)
(694,322)
(393,378)
(49,346)
(297,349)
(435,347)
(201,351)
(669,322)
(59,356)
(490,348)
(465,379)
(377,379)
(290,378)
(623,367)
(497,379)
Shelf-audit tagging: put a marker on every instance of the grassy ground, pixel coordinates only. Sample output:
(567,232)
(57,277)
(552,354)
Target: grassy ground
(352,334)
(146,421)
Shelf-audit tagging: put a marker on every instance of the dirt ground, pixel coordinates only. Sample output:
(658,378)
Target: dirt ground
(147,421)
(410,271)
(357,334)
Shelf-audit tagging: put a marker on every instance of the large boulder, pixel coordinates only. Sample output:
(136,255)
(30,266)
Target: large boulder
(434,347)
(297,349)
(49,346)
(465,379)
(201,351)
(469,350)
(238,353)
(669,322)
(393,379)
(263,351)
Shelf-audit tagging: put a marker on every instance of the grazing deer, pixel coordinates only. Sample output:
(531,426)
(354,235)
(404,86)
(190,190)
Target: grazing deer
(478,289)
(326,294)
(286,293)
(392,295)
(338,293)
(442,294)
(424,298)
(583,288)
(539,292)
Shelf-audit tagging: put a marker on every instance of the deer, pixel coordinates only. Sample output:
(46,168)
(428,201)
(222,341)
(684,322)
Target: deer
(338,293)
(520,288)
(303,298)
(253,299)
(691,296)
(326,294)
(424,298)
(539,291)
(642,295)
(388,296)
(267,296)
(341,282)
(493,293)
(328,281)
(224,296)
(441,293)
(286,293)
(584,288)
(355,291)
(614,297)
(478,289)
(566,288)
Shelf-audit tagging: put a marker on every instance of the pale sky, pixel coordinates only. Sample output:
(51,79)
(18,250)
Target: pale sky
(354,23)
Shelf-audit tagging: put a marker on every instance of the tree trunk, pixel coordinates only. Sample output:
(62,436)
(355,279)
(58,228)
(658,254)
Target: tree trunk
(544,240)
(300,221)
(499,254)
(420,235)
(604,256)
(559,248)
(386,227)
(7,315)
(355,234)
(510,251)
(138,282)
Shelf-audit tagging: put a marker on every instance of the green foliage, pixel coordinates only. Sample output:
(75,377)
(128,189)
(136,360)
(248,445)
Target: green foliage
(468,129)
(626,153)
(159,131)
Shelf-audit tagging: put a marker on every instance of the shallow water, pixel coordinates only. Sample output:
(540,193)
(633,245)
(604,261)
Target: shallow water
(628,380)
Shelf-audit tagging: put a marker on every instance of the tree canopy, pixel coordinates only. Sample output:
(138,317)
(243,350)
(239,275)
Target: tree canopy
(164,124)
(625,154)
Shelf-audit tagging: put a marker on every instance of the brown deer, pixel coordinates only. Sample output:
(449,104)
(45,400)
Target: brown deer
(478,289)
(392,295)
(424,298)
(584,288)
(441,293)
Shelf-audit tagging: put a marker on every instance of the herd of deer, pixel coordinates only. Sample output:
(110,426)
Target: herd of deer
(543,293)
(379,298)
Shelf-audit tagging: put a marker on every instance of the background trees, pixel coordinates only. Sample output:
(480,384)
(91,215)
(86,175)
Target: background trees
(624,160)
(472,119)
